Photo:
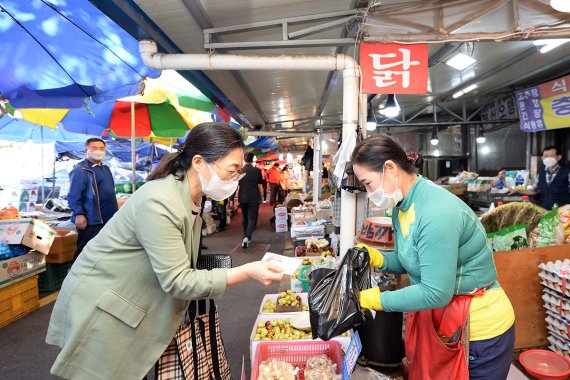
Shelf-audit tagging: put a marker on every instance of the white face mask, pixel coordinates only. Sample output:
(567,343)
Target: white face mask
(216,188)
(386,201)
(96,156)
(549,161)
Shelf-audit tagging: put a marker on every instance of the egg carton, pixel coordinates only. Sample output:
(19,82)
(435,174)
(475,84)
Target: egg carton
(560,302)
(556,286)
(555,309)
(555,271)
(559,345)
(557,324)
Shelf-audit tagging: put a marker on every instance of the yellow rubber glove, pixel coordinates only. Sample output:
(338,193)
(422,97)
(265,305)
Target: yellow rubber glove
(370,299)
(376,257)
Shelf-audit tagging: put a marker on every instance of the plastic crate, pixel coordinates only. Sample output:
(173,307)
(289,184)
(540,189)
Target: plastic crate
(296,353)
(18,299)
(53,277)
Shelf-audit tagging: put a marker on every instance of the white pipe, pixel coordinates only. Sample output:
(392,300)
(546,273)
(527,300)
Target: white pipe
(339,62)
(316,168)
(133,150)
(280,134)
(350,82)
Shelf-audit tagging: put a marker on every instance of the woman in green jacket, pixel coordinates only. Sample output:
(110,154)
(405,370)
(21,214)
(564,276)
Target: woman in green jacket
(125,296)
(442,246)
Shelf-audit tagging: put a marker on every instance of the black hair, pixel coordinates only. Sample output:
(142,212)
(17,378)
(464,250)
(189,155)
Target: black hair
(374,151)
(249,157)
(286,167)
(276,164)
(212,141)
(92,140)
(550,147)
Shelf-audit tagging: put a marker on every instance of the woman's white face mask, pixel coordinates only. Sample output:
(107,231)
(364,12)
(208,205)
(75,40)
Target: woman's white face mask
(216,188)
(386,201)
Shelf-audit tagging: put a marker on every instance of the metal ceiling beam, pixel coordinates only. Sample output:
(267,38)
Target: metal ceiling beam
(201,17)
(284,24)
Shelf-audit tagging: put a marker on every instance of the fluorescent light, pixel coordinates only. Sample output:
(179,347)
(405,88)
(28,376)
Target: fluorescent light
(460,61)
(457,94)
(553,45)
(370,126)
(560,5)
(485,150)
(281,157)
(469,88)
(332,140)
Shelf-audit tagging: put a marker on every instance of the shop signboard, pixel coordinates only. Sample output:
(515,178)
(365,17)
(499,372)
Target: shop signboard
(546,106)
(394,68)
(499,109)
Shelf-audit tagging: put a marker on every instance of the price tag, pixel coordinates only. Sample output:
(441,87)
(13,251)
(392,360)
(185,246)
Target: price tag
(351,356)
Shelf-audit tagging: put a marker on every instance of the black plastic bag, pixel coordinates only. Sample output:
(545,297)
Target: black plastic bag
(334,299)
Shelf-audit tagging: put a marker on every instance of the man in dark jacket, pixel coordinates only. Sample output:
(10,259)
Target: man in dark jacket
(553,184)
(249,198)
(91,195)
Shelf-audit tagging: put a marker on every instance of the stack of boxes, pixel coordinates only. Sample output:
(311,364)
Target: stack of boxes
(22,196)
(19,292)
(281,221)
(555,277)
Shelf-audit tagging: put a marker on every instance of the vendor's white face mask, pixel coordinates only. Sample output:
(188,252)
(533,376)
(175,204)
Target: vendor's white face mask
(216,188)
(386,201)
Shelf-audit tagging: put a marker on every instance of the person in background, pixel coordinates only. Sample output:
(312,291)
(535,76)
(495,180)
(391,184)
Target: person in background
(553,183)
(285,182)
(454,299)
(127,294)
(261,166)
(325,173)
(91,196)
(274,179)
(221,211)
(249,197)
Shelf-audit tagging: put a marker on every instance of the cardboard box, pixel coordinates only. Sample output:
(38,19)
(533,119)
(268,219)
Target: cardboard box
(64,245)
(281,226)
(29,232)
(273,297)
(17,268)
(281,213)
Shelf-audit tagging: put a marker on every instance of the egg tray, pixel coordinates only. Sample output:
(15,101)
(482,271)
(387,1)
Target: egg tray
(558,325)
(554,309)
(559,345)
(555,286)
(557,300)
(556,271)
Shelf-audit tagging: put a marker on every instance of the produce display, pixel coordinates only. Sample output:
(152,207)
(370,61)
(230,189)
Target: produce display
(279,329)
(287,302)
(274,369)
(511,214)
(315,247)
(320,368)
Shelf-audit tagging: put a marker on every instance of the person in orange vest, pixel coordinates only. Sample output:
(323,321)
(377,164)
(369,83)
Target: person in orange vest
(274,179)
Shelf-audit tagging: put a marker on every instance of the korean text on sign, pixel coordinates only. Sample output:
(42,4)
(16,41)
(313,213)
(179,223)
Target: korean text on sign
(394,68)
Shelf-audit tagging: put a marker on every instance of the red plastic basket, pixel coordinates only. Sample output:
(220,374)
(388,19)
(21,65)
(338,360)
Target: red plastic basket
(295,353)
(544,364)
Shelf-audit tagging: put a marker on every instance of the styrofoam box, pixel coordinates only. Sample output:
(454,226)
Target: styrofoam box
(273,297)
(281,212)
(344,341)
(281,227)
(297,285)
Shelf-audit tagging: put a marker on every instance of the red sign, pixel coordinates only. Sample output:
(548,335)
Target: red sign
(394,68)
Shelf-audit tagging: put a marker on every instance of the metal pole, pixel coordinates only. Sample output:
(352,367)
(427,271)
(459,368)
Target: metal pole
(43,183)
(317,159)
(133,149)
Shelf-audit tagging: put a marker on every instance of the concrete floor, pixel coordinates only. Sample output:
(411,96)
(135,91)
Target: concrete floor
(25,355)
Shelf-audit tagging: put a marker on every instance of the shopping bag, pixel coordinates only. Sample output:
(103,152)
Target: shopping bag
(334,304)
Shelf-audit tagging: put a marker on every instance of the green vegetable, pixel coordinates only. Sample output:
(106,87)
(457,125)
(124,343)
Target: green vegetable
(511,238)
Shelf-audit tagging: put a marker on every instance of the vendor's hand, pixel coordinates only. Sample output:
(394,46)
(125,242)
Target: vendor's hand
(81,222)
(513,192)
(266,273)
(370,299)
(376,257)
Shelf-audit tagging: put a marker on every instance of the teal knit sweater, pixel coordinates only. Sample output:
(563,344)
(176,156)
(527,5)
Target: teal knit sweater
(441,245)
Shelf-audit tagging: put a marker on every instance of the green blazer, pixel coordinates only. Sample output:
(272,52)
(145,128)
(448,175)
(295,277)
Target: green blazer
(127,293)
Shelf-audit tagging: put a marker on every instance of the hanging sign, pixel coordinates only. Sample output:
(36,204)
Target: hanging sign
(546,106)
(394,68)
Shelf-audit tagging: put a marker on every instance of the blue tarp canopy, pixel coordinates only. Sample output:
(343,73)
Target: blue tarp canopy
(121,149)
(20,130)
(265,143)
(58,53)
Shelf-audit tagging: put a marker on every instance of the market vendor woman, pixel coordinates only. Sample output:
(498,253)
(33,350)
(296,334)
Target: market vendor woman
(127,293)
(460,323)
